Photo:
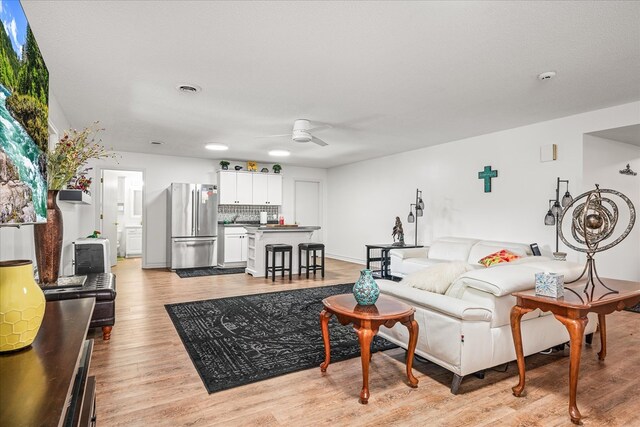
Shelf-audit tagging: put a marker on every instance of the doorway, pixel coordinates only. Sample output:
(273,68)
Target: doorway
(308,206)
(121,212)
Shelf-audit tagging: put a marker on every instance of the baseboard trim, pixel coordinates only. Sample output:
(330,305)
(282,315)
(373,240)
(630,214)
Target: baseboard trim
(347,259)
(151,265)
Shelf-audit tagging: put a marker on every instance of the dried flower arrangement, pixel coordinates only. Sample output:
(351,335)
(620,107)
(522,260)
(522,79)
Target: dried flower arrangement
(81,181)
(73,151)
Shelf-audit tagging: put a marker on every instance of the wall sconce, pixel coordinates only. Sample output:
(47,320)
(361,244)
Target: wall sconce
(555,207)
(418,206)
(628,171)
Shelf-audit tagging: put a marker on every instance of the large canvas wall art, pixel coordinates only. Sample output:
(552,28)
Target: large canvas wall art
(24,99)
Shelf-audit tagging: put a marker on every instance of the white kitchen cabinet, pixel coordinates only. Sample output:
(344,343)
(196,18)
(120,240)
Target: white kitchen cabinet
(133,241)
(260,189)
(232,246)
(233,249)
(244,188)
(235,188)
(275,189)
(267,189)
(227,188)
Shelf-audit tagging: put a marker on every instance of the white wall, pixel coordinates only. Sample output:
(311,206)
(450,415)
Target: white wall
(159,173)
(361,200)
(603,159)
(365,197)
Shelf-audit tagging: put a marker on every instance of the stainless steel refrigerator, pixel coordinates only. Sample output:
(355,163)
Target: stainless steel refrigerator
(192,223)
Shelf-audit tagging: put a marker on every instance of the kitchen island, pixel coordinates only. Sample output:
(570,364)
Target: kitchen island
(260,236)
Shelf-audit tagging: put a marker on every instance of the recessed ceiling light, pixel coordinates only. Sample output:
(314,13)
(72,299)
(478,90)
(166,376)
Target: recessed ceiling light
(548,75)
(156,142)
(216,146)
(279,153)
(188,88)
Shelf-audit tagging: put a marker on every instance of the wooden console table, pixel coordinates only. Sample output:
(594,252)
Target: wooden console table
(47,384)
(366,321)
(571,310)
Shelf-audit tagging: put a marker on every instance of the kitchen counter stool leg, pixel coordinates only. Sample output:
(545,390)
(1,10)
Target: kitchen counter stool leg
(273,266)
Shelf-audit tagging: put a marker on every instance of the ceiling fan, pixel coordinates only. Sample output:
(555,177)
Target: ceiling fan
(302,129)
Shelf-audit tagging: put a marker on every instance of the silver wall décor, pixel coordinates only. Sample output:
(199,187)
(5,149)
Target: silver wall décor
(628,171)
(594,216)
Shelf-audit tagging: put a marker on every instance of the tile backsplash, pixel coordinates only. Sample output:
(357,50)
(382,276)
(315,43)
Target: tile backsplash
(240,213)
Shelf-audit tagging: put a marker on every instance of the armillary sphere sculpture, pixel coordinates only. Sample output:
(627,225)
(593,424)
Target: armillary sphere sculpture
(594,216)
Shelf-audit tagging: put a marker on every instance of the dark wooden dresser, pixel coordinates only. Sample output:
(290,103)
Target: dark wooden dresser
(47,384)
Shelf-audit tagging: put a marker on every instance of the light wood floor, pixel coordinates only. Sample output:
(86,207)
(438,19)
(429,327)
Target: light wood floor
(145,377)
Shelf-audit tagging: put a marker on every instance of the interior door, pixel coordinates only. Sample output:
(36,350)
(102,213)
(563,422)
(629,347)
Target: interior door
(307,206)
(109,213)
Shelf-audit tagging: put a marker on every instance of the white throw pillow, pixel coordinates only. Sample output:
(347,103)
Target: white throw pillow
(437,278)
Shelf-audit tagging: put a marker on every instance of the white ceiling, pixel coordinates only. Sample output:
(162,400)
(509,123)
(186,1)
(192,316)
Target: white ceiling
(628,134)
(389,76)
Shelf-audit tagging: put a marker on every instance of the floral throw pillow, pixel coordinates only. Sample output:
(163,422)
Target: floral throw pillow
(498,257)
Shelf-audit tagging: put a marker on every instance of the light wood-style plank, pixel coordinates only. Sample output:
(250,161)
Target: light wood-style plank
(145,377)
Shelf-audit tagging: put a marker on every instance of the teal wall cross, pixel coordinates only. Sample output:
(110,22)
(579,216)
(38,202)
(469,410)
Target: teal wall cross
(487,174)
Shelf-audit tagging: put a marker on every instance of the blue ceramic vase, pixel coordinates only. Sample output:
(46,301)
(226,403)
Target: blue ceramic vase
(366,290)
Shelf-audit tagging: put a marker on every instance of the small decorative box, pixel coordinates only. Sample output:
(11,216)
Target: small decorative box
(550,284)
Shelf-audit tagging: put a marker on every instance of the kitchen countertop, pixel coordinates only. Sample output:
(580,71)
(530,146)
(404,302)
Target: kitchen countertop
(264,229)
(245,224)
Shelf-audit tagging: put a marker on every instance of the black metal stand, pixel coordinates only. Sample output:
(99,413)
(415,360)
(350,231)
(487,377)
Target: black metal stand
(592,277)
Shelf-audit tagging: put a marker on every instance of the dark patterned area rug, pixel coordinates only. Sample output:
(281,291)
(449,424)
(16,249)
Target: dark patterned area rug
(241,340)
(207,271)
(635,308)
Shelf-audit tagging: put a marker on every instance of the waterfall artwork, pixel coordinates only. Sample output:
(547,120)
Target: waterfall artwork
(24,100)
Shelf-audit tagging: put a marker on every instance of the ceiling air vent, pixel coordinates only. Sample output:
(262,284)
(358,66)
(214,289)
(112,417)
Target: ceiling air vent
(186,88)
(546,75)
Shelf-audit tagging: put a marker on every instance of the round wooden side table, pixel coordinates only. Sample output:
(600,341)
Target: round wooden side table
(366,321)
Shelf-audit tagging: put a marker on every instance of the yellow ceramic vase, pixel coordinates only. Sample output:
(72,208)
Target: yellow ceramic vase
(21,305)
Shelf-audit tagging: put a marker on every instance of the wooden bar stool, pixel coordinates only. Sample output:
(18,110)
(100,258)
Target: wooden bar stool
(277,248)
(311,247)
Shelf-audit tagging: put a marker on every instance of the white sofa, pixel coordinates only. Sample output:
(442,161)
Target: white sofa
(446,249)
(467,329)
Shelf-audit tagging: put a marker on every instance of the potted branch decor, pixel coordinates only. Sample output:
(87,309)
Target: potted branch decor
(64,162)
(224,165)
(277,168)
